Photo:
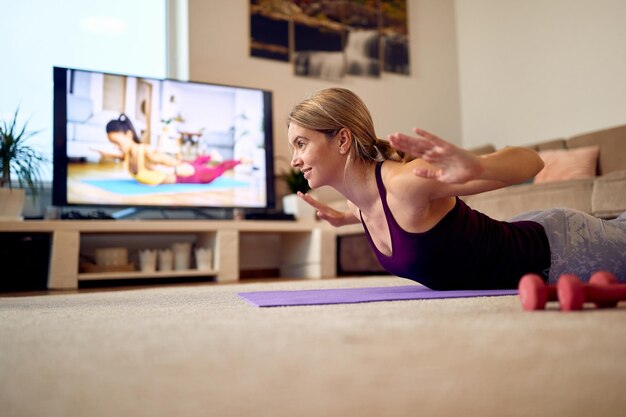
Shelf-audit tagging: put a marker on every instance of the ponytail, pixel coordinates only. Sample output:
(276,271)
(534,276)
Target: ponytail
(122,124)
(387,151)
(126,122)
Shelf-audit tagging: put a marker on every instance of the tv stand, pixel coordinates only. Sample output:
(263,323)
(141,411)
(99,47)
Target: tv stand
(308,249)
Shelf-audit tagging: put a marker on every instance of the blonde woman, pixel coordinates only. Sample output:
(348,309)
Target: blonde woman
(405,192)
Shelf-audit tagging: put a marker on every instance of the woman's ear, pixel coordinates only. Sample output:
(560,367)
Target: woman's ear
(345,140)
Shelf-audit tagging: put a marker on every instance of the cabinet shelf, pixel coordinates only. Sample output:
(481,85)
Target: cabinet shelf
(307,249)
(94,276)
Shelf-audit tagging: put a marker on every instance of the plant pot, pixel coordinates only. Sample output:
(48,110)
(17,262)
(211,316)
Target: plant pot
(12,203)
(292,204)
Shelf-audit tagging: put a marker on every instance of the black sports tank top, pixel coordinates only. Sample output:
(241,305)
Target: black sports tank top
(465,250)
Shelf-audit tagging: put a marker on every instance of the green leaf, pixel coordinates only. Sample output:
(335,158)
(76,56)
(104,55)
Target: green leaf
(18,158)
(295,181)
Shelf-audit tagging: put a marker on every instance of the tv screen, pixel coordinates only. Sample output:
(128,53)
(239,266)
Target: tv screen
(129,141)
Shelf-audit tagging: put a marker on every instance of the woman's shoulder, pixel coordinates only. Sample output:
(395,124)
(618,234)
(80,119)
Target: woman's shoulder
(399,179)
(410,197)
(400,172)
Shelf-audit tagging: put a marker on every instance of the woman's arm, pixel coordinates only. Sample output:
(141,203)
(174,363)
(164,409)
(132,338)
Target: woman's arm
(462,173)
(109,155)
(334,217)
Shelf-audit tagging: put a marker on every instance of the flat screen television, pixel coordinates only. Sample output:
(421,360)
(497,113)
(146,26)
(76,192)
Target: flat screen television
(193,145)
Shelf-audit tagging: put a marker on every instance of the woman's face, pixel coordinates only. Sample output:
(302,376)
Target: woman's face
(315,155)
(122,140)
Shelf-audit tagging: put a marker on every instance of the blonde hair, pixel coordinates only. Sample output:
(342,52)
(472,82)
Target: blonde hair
(332,109)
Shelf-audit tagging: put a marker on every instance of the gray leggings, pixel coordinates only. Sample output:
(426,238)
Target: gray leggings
(582,244)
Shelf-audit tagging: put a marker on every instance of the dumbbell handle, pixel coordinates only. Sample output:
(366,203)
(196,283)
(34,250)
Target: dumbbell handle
(605,293)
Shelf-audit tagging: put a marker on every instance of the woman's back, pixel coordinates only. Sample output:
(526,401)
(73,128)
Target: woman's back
(465,250)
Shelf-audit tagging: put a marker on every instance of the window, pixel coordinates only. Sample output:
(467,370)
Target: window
(116,36)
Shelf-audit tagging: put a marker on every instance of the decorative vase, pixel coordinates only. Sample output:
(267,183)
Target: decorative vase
(166,259)
(148,260)
(182,255)
(204,259)
(292,204)
(12,203)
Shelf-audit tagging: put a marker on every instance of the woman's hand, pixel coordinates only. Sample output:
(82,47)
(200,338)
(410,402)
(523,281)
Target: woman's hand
(108,155)
(334,217)
(452,165)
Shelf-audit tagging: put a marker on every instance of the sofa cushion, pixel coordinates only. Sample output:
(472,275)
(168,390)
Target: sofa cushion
(567,164)
(608,198)
(549,144)
(612,144)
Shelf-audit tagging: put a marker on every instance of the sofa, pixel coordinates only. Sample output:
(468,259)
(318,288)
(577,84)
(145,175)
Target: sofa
(586,172)
(86,129)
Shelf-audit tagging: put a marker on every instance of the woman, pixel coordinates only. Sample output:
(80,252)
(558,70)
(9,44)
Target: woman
(405,193)
(142,162)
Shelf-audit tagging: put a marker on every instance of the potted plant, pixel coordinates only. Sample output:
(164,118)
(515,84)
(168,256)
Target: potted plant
(20,161)
(295,181)
(292,204)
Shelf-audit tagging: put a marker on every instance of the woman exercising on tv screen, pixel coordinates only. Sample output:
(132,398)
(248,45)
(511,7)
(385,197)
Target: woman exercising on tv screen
(142,162)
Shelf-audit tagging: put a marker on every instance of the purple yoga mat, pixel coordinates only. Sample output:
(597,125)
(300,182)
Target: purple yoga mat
(358,295)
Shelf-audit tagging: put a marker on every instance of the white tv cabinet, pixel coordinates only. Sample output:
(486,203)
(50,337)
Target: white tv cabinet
(308,249)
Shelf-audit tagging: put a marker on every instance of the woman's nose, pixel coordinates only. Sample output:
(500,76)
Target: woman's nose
(295,161)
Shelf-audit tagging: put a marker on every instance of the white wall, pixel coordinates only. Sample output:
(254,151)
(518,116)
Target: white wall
(429,97)
(532,70)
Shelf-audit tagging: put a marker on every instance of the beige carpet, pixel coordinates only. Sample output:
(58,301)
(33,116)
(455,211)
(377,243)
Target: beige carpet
(200,350)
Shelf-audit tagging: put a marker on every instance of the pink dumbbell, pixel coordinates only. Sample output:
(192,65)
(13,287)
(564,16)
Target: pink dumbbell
(534,293)
(604,278)
(602,290)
